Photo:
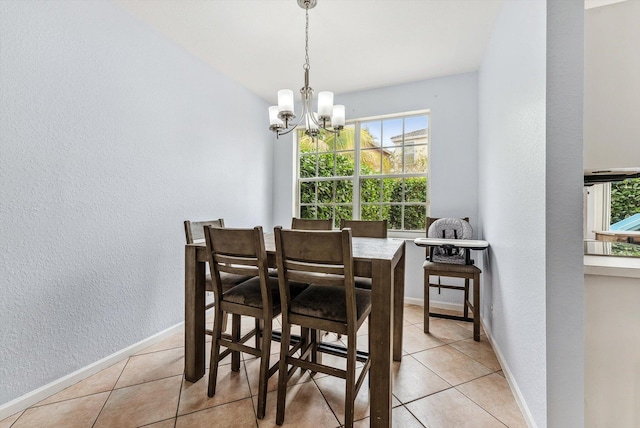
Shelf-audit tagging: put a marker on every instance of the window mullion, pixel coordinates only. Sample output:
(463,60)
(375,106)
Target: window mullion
(356,173)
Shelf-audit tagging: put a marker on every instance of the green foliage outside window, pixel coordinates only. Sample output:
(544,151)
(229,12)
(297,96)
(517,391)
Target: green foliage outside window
(624,249)
(625,199)
(415,216)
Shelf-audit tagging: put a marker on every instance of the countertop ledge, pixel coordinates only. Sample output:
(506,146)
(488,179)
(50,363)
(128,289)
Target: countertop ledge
(626,267)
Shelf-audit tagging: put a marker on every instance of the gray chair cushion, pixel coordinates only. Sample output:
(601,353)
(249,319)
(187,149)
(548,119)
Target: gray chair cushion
(362,282)
(228,280)
(273,272)
(248,293)
(450,267)
(329,302)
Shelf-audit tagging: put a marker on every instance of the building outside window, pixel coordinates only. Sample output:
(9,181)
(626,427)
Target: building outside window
(377,168)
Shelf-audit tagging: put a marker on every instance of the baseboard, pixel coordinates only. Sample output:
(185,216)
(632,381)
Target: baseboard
(35,396)
(434,304)
(510,379)
(413,301)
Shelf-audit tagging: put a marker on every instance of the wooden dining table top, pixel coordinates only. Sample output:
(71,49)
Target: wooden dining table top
(363,248)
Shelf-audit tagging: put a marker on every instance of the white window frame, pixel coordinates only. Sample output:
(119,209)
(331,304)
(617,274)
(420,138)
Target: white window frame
(356,205)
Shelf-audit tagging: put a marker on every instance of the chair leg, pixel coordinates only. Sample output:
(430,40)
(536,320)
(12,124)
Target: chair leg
(215,352)
(282,372)
(264,367)
(476,307)
(259,325)
(426,302)
(235,335)
(350,395)
(305,338)
(316,357)
(466,297)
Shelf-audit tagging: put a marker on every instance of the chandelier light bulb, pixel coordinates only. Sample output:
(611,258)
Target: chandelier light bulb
(337,118)
(285,101)
(325,104)
(274,120)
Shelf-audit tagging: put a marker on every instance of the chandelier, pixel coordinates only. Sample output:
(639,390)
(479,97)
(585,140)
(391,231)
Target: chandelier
(329,117)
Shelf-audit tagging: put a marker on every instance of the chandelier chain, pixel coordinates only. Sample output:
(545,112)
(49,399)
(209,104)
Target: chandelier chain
(306,65)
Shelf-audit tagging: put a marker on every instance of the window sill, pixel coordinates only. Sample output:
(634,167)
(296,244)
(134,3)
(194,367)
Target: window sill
(406,235)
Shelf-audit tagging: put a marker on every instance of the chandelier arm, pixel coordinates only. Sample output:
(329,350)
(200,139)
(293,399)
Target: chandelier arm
(287,131)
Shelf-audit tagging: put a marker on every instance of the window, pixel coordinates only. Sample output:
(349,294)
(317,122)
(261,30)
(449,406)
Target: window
(612,207)
(375,169)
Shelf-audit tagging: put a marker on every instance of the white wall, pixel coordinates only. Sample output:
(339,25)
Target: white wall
(111,136)
(612,86)
(453,102)
(512,196)
(530,201)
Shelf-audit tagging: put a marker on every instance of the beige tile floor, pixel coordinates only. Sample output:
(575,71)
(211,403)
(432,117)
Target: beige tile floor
(445,380)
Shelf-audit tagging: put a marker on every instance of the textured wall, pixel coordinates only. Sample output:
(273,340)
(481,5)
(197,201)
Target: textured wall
(110,137)
(453,101)
(512,194)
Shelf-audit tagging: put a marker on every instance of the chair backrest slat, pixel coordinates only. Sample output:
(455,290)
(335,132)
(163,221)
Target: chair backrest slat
(310,224)
(235,260)
(194,230)
(366,228)
(237,264)
(315,278)
(313,246)
(234,242)
(306,267)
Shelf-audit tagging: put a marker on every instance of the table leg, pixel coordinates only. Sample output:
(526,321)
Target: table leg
(194,322)
(381,343)
(398,310)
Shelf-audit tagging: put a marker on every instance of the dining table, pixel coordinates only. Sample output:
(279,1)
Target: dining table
(381,259)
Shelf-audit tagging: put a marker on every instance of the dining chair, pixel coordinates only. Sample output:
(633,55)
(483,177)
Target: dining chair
(242,252)
(311,224)
(194,232)
(455,263)
(332,303)
(366,228)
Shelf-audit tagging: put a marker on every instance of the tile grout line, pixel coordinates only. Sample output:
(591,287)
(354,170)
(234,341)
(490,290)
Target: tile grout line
(175,420)
(110,392)
(478,404)
(414,416)
(327,401)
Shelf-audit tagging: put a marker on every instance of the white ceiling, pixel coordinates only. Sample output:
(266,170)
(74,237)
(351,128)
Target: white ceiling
(353,44)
